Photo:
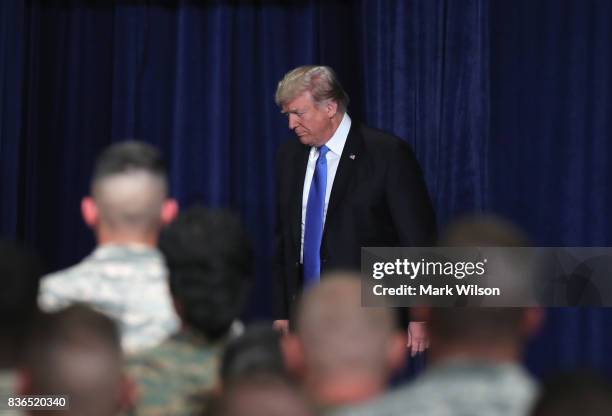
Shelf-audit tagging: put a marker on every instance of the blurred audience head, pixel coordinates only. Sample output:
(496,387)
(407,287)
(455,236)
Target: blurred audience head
(76,352)
(261,395)
(496,334)
(256,351)
(20,272)
(483,231)
(343,352)
(129,192)
(486,333)
(210,262)
(583,393)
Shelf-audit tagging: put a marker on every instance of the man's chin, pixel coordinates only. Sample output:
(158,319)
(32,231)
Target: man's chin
(305,140)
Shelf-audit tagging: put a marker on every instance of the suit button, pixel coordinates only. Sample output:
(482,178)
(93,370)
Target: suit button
(323,260)
(297,264)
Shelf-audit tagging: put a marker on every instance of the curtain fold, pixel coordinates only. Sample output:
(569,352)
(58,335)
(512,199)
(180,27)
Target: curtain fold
(12,38)
(549,148)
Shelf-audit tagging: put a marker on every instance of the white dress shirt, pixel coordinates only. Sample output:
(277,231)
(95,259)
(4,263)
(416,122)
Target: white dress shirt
(336,145)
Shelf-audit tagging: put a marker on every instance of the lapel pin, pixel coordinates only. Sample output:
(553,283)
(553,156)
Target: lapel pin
(352,157)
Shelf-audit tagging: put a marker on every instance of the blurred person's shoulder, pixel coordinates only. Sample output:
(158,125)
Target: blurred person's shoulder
(178,376)
(457,388)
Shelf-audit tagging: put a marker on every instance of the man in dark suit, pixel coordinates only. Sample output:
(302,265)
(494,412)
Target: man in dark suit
(366,190)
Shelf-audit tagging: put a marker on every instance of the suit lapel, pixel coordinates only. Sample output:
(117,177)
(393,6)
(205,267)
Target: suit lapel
(349,159)
(300,160)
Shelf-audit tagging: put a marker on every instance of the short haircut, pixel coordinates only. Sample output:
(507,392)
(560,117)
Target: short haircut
(209,261)
(481,324)
(129,186)
(338,334)
(483,231)
(261,395)
(477,325)
(77,352)
(20,271)
(255,351)
(320,81)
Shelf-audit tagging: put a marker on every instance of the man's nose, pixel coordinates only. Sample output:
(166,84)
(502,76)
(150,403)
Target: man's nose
(292,121)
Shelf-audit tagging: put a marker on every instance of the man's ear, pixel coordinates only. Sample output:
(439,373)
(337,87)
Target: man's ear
(331,107)
(24,383)
(293,354)
(533,318)
(129,393)
(396,352)
(169,211)
(89,211)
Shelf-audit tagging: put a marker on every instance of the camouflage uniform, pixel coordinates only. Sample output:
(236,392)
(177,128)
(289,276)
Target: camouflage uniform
(177,377)
(458,388)
(128,283)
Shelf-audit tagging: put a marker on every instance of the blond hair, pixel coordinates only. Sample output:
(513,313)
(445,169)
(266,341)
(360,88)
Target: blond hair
(320,81)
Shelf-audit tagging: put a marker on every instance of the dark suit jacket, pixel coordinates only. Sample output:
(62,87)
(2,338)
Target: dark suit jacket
(378,199)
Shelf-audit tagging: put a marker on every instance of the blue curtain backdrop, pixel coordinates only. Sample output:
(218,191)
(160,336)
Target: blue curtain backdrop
(506,104)
(549,148)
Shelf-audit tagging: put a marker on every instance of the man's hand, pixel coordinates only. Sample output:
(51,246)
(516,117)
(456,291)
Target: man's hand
(418,341)
(282,326)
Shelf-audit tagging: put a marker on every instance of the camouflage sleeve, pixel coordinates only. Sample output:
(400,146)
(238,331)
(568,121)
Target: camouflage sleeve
(54,293)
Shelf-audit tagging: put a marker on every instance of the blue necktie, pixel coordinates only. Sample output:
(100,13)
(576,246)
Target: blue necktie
(313,227)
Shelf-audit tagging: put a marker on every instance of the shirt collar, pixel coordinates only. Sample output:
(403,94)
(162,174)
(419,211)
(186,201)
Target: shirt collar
(338,140)
(112,250)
